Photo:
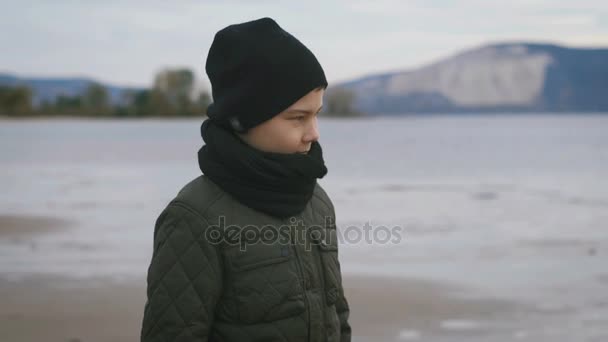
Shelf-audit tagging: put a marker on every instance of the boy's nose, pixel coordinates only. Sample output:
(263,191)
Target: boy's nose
(312,134)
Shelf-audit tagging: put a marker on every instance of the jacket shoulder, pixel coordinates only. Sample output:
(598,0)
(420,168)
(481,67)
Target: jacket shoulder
(199,195)
(321,198)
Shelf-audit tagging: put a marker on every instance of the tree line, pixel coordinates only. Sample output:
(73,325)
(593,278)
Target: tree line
(172,94)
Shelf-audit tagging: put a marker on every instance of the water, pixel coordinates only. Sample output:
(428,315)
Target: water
(508,206)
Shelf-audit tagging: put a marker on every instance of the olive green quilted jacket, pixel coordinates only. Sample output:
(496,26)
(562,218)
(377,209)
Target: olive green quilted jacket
(204,288)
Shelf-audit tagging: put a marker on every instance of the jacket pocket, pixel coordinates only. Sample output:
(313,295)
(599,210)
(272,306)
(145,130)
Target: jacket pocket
(331,271)
(265,282)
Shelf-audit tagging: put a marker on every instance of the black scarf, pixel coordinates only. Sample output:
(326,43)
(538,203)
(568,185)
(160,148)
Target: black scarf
(277,184)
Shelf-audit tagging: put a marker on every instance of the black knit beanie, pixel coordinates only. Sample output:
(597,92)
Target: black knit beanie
(258,70)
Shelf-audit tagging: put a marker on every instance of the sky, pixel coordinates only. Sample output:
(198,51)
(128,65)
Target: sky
(126,42)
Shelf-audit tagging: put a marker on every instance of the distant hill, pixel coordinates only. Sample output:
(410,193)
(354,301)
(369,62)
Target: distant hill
(508,77)
(514,77)
(47,89)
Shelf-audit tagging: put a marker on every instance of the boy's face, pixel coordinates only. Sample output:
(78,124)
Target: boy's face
(291,131)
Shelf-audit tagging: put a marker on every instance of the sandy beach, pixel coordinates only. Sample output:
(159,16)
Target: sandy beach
(58,309)
(15,226)
(35,307)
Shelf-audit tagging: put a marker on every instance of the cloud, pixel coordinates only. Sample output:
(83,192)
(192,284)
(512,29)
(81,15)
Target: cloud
(126,42)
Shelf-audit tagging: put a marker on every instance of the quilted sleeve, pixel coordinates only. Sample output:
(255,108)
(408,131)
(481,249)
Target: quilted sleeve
(343,311)
(342,307)
(184,279)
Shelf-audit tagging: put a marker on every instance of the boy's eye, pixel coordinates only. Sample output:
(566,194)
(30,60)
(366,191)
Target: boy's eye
(298,117)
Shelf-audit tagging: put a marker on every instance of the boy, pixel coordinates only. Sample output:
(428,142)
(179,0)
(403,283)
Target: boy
(248,250)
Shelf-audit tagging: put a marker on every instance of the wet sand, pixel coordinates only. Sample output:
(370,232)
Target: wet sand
(15,226)
(57,309)
(53,308)
(385,309)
